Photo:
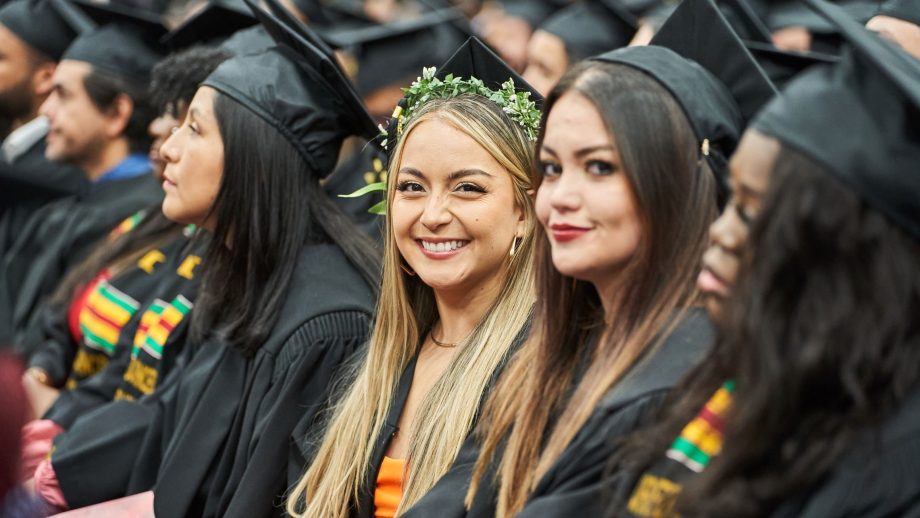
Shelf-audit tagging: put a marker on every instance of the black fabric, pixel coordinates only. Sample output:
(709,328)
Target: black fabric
(300,90)
(591,27)
(534,12)
(746,21)
(474,59)
(42,25)
(575,485)
(30,182)
(908,10)
(876,477)
(213,23)
(395,52)
(860,120)
(214,440)
(252,40)
(700,60)
(796,13)
(125,45)
(782,66)
(61,234)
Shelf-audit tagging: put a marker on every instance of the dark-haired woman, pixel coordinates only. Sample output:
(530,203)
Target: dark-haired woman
(74,336)
(808,404)
(285,300)
(118,318)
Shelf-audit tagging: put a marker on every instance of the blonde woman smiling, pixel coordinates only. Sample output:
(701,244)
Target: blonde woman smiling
(457,293)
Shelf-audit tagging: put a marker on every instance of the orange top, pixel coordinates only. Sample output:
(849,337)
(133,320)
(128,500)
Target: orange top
(389,487)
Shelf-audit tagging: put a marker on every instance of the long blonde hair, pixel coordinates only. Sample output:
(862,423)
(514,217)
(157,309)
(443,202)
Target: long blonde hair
(405,311)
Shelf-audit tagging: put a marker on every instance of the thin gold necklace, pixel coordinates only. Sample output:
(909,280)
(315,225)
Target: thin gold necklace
(446,345)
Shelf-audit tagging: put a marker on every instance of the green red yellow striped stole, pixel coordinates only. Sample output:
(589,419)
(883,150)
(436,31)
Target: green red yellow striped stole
(106,312)
(156,324)
(128,224)
(701,439)
(657,491)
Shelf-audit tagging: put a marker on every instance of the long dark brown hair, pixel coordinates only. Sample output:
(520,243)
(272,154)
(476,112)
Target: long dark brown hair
(821,336)
(269,205)
(534,406)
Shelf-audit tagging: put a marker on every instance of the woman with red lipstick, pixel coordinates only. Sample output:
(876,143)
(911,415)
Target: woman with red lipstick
(457,293)
(629,163)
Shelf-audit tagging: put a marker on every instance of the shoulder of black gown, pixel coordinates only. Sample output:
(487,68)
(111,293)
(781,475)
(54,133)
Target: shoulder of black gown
(256,402)
(577,483)
(40,178)
(879,476)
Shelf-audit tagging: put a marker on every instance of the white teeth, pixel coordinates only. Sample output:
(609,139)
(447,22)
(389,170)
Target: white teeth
(443,246)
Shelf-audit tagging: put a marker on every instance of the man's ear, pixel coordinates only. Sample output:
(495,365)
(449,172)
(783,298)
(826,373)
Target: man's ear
(43,79)
(118,115)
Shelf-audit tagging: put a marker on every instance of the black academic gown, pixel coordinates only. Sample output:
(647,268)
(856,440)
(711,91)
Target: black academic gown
(30,182)
(61,234)
(155,275)
(879,477)
(214,439)
(575,485)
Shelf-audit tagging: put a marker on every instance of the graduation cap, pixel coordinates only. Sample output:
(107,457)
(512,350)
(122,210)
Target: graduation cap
(125,44)
(48,26)
(700,60)
(860,119)
(745,20)
(472,60)
(591,27)
(907,10)
(535,12)
(795,13)
(394,52)
(299,90)
(782,66)
(212,21)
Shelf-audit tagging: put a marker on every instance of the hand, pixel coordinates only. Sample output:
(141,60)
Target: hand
(796,39)
(41,396)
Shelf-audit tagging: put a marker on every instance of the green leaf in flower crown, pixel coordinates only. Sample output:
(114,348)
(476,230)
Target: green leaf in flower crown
(379,208)
(369,188)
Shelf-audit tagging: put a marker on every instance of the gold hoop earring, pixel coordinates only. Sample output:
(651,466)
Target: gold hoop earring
(406,268)
(514,243)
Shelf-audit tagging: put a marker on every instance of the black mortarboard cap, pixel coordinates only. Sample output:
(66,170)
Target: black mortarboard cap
(795,13)
(744,18)
(475,59)
(211,23)
(908,10)
(48,26)
(641,8)
(299,90)
(395,52)
(314,10)
(697,56)
(535,12)
(782,66)
(860,120)
(126,43)
(593,26)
